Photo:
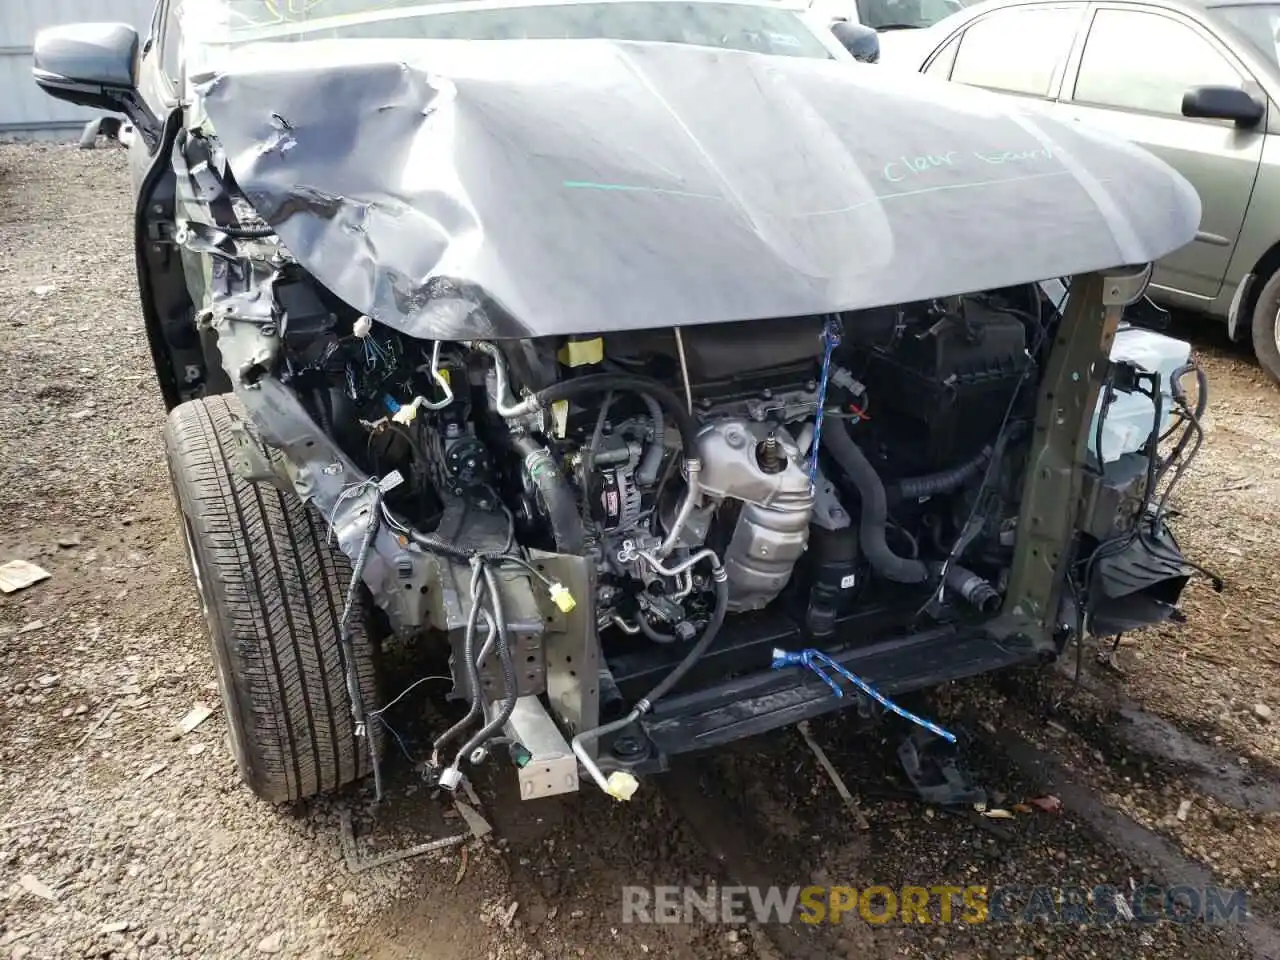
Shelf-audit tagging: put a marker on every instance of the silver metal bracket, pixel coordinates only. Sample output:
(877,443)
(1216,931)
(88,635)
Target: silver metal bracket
(572,647)
(552,768)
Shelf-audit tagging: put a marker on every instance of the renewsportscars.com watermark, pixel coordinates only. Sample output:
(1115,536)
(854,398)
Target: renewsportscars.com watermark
(940,903)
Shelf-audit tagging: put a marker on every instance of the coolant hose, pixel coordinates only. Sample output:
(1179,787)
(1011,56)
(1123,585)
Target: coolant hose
(944,481)
(875,512)
(621,785)
(647,472)
(976,590)
(628,383)
(562,507)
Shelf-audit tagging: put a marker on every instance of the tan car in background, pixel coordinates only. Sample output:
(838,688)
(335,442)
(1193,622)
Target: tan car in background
(1195,83)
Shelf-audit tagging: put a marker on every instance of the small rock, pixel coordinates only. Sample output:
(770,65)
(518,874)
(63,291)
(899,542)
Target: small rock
(350,898)
(197,715)
(66,543)
(33,886)
(80,710)
(272,944)
(31,626)
(1184,808)
(196,749)
(509,914)
(115,926)
(1262,711)
(80,414)
(48,680)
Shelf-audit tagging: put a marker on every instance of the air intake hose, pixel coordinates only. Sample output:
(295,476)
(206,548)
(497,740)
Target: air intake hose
(944,481)
(875,512)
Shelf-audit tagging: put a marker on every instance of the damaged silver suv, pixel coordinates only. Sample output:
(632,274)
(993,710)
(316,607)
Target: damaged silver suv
(678,376)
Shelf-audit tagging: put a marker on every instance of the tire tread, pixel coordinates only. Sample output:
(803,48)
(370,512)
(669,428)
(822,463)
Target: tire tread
(273,589)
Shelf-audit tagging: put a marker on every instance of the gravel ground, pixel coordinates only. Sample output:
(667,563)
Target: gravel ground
(119,838)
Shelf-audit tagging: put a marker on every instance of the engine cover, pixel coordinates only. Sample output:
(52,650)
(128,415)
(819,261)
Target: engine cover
(756,470)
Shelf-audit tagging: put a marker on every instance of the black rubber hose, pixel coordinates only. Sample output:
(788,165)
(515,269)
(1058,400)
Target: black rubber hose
(944,481)
(875,511)
(562,506)
(698,649)
(470,659)
(619,382)
(511,690)
(647,472)
(650,631)
(975,590)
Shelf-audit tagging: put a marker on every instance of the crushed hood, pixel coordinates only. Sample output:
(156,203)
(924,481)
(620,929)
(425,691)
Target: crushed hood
(526,188)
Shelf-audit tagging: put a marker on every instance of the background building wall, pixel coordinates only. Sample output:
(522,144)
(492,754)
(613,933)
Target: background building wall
(25,111)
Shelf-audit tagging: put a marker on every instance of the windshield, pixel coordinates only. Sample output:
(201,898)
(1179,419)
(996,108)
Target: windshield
(902,14)
(1259,23)
(756,28)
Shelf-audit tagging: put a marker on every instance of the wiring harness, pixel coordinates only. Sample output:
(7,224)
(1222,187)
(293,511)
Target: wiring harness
(1162,476)
(486,608)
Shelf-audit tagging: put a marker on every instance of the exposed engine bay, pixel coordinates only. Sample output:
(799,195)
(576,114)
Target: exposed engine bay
(829,480)
(643,451)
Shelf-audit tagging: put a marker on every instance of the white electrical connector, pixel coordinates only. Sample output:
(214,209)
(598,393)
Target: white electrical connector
(362,327)
(409,411)
(843,378)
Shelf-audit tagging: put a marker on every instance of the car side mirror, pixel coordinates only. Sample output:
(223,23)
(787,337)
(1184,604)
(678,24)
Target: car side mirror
(1223,103)
(92,65)
(862,42)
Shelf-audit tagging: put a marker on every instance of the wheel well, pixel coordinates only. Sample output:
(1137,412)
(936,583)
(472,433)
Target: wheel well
(1268,264)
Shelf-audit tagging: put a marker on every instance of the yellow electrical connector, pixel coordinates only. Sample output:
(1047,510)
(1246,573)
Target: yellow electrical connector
(582,353)
(622,785)
(561,597)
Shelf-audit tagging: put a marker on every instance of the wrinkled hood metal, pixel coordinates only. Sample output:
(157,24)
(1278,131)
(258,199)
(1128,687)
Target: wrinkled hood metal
(528,188)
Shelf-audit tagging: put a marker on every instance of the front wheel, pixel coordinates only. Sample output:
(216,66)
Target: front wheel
(1266,327)
(272,592)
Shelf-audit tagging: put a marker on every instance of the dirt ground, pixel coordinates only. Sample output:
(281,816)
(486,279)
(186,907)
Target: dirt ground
(120,839)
